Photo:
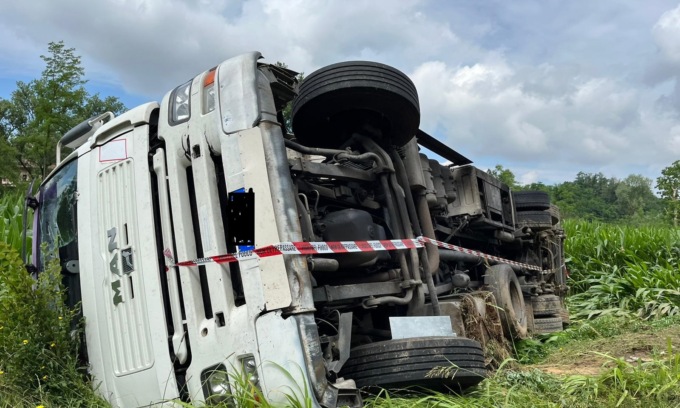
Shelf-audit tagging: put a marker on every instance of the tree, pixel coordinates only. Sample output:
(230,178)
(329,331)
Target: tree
(634,196)
(41,111)
(8,165)
(669,187)
(538,186)
(589,196)
(95,106)
(504,175)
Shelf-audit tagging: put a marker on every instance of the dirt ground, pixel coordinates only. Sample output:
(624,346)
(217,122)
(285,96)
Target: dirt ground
(589,357)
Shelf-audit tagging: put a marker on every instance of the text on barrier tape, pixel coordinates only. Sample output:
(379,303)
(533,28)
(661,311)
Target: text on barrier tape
(336,247)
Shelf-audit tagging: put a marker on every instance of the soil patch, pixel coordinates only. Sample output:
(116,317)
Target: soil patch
(591,357)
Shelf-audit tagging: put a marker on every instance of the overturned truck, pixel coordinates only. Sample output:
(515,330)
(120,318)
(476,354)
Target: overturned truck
(213,252)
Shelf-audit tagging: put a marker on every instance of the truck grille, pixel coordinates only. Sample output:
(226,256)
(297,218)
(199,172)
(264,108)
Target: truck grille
(127,314)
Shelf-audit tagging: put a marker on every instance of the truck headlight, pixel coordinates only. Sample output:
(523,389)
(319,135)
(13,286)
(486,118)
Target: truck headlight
(180,104)
(215,382)
(250,369)
(209,98)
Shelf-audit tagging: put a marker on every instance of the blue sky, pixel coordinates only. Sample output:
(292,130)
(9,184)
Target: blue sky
(546,88)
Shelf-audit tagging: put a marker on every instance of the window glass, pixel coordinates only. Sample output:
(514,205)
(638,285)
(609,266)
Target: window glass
(58,228)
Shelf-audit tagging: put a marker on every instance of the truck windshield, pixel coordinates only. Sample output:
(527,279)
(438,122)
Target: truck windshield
(57,227)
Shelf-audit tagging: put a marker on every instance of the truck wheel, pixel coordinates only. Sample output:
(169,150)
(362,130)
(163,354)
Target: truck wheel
(504,285)
(404,362)
(336,101)
(554,212)
(566,319)
(537,220)
(543,325)
(531,200)
(546,305)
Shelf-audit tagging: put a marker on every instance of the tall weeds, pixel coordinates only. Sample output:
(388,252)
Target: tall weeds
(38,345)
(38,348)
(620,270)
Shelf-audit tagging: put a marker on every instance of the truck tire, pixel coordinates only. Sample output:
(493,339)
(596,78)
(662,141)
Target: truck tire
(531,200)
(543,325)
(554,212)
(336,101)
(566,319)
(546,305)
(504,285)
(536,220)
(406,362)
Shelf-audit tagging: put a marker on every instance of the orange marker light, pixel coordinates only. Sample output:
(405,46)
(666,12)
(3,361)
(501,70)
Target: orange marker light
(209,78)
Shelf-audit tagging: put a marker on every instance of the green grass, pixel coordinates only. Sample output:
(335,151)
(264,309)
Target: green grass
(622,384)
(596,334)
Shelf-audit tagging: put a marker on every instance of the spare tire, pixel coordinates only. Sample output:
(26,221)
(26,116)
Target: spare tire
(339,100)
(531,200)
(536,220)
(546,305)
(504,285)
(406,362)
(543,325)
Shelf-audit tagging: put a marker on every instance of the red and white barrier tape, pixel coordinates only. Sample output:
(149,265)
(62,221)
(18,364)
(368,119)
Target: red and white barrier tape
(304,248)
(337,247)
(477,253)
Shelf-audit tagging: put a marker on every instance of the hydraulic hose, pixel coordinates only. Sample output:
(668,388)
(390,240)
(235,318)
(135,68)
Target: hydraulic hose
(313,150)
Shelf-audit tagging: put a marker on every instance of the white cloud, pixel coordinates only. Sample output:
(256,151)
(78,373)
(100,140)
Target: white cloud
(547,91)
(148,44)
(667,34)
(528,177)
(491,109)
(666,66)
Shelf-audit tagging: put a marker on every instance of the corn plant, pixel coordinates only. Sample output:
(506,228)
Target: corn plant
(621,269)
(11,220)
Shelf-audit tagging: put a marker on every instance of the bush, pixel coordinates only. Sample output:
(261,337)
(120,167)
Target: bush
(38,341)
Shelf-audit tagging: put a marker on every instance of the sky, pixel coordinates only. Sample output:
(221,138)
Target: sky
(545,88)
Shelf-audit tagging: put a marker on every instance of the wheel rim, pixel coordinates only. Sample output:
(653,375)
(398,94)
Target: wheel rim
(517,305)
(508,294)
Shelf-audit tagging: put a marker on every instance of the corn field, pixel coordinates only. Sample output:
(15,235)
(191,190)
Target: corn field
(621,269)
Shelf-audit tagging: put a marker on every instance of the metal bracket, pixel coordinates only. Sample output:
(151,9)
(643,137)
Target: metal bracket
(344,340)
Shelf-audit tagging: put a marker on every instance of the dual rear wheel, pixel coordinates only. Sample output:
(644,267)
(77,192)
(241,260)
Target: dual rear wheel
(543,316)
